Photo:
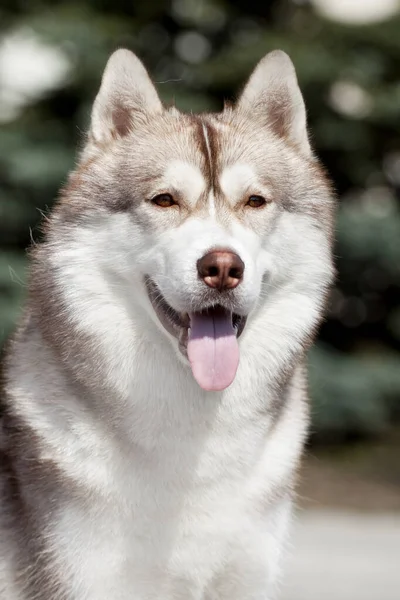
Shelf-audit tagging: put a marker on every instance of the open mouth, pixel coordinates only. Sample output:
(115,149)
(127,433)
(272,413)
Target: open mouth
(208,338)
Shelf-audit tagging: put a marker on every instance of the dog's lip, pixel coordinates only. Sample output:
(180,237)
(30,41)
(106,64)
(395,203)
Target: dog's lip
(168,316)
(177,323)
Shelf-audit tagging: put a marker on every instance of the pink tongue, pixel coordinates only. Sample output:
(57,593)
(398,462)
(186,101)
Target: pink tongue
(213,350)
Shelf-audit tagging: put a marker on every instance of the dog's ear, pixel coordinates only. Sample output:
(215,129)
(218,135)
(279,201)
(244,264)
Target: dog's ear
(126,94)
(273,97)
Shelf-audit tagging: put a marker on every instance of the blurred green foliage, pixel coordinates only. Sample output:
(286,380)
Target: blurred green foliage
(200,52)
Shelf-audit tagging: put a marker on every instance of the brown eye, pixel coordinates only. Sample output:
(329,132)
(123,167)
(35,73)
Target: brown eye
(163,200)
(256,201)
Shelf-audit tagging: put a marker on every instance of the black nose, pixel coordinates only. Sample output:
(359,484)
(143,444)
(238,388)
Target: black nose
(221,269)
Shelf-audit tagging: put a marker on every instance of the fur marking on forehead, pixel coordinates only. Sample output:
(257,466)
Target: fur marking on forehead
(207,146)
(211,199)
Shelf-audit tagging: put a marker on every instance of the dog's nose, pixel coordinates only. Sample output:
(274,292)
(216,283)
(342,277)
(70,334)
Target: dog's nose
(221,269)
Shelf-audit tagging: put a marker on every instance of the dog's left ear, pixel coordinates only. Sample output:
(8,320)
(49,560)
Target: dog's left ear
(126,94)
(273,97)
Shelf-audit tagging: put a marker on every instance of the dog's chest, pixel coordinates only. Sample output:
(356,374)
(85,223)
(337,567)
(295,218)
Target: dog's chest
(170,518)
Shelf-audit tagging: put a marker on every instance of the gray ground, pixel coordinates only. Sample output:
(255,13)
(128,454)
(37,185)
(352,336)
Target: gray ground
(344,555)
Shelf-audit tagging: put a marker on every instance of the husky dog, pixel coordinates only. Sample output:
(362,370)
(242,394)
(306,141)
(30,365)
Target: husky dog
(155,392)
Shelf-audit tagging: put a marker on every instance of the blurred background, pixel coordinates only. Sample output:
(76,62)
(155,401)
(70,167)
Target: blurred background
(347,56)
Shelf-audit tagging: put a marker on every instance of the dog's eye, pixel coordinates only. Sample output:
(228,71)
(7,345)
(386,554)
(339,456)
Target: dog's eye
(163,200)
(256,201)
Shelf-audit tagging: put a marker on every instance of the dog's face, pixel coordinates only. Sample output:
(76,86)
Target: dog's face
(200,217)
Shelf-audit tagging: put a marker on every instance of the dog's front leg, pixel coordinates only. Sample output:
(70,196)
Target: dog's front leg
(254,571)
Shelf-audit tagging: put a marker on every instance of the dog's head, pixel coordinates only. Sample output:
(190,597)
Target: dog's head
(203,219)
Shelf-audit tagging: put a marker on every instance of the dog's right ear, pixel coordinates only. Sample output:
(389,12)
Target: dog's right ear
(126,95)
(272,97)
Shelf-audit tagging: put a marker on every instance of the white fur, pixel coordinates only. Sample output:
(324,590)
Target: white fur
(238,179)
(186,178)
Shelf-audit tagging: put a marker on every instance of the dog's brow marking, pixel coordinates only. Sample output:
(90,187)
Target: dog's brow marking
(186,177)
(210,164)
(235,179)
